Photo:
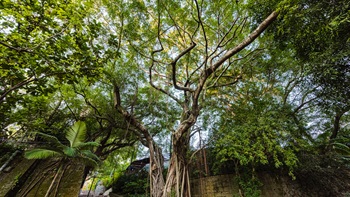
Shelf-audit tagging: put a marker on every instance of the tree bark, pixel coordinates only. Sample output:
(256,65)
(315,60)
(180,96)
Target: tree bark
(156,170)
(22,180)
(178,175)
(156,155)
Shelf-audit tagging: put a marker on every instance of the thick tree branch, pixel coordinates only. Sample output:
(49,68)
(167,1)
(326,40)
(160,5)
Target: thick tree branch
(173,64)
(225,69)
(245,43)
(129,117)
(207,72)
(336,123)
(16,48)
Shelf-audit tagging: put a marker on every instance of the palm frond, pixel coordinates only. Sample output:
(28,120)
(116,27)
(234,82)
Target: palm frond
(76,134)
(89,158)
(40,153)
(50,138)
(341,148)
(90,155)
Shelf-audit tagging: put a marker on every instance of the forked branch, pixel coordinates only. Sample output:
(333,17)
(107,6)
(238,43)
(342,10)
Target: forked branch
(245,42)
(207,72)
(173,64)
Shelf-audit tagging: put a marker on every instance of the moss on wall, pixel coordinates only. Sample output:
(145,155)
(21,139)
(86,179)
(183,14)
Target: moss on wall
(39,178)
(9,178)
(313,184)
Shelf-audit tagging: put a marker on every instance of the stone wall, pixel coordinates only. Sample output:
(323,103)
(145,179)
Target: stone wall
(214,186)
(274,185)
(227,186)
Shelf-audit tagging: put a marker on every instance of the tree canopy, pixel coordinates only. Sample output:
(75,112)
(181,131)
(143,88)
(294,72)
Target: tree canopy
(257,82)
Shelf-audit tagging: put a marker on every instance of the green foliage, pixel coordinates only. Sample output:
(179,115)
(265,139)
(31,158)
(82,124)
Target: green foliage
(40,153)
(318,33)
(78,149)
(132,185)
(45,44)
(250,185)
(256,130)
(340,145)
(76,134)
(60,59)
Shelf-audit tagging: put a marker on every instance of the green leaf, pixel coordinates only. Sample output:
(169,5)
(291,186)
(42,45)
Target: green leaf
(89,158)
(41,153)
(70,152)
(341,148)
(76,134)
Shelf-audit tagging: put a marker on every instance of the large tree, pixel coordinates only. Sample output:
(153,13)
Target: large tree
(167,68)
(185,49)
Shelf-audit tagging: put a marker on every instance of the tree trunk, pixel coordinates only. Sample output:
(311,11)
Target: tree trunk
(9,160)
(336,123)
(177,181)
(87,170)
(156,170)
(156,155)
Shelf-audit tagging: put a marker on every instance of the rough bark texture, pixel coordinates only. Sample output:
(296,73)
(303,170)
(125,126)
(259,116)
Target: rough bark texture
(177,181)
(156,170)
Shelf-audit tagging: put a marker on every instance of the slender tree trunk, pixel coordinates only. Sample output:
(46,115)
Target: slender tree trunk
(92,182)
(13,156)
(87,170)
